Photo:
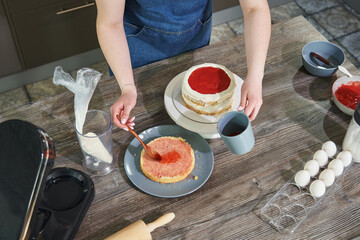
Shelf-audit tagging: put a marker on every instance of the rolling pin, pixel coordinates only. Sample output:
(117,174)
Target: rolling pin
(141,231)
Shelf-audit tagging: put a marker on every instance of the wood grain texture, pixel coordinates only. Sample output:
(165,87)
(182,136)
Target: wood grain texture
(297,116)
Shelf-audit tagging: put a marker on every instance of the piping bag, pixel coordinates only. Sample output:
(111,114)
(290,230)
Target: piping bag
(83,89)
(141,231)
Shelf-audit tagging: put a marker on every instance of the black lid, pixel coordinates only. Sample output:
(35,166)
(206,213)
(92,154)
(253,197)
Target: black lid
(27,155)
(357,114)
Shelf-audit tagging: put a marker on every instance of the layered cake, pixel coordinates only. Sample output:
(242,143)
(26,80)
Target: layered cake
(177,160)
(208,88)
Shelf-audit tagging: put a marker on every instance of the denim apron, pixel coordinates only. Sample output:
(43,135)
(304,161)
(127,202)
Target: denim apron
(158,29)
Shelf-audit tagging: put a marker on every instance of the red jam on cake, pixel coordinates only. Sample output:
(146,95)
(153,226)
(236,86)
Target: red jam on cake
(208,88)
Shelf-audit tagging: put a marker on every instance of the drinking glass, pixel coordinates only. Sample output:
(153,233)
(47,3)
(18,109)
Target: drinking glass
(96,143)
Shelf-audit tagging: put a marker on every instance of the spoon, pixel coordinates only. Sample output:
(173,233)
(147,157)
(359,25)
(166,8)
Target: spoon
(324,60)
(153,154)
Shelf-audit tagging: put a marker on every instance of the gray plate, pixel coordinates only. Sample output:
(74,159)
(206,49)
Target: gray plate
(204,163)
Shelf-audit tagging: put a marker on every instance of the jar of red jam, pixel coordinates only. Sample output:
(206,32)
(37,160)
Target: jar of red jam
(349,94)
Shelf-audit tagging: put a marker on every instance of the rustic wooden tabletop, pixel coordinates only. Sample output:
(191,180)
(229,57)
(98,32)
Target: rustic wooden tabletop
(297,116)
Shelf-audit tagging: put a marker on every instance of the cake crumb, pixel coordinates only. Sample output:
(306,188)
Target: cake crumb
(195,177)
(134,154)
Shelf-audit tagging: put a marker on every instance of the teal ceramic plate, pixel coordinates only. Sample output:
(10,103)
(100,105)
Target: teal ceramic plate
(204,163)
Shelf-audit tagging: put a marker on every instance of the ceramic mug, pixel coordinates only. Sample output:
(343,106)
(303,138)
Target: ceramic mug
(236,131)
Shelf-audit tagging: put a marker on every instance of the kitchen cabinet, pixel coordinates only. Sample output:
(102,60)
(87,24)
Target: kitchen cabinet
(9,60)
(219,5)
(18,6)
(46,31)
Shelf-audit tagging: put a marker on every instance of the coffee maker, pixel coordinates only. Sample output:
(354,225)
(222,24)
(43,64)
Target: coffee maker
(38,201)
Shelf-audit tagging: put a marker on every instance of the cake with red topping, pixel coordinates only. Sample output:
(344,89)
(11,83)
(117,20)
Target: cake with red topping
(177,160)
(208,88)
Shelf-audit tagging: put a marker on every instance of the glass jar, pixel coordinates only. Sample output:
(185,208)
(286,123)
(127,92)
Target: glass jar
(352,137)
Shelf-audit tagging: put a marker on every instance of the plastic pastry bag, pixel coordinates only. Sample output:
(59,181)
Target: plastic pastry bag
(83,88)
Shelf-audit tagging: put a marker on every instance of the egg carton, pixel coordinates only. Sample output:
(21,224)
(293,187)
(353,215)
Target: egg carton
(291,205)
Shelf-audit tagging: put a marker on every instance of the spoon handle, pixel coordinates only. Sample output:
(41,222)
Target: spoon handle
(137,136)
(153,154)
(345,71)
(324,60)
(134,133)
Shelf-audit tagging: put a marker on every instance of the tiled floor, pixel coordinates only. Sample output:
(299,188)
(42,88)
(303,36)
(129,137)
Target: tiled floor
(333,18)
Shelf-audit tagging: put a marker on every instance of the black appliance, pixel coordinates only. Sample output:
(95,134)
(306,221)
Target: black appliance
(36,201)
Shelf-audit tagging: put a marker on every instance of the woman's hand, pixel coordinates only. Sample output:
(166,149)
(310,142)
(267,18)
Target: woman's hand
(251,97)
(257,30)
(123,107)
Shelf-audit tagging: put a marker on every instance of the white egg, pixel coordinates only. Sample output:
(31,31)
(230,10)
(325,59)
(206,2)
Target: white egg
(330,148)
(312,166)
(337,166)
(321,157)
(345,157)
(328,177)
(302,178)
(317,188)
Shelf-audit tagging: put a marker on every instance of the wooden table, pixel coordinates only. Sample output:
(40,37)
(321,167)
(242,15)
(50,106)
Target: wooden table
(296,118)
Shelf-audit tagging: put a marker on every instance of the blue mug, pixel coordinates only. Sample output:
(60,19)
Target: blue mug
(236,131)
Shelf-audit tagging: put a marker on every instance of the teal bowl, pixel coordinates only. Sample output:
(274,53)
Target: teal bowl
(328,50)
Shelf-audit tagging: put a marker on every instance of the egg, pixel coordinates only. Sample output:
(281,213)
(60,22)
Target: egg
(317,188)
(330,148)
(302,178)
(321,157)
(312,166)
(337,166)
(345,157)
(328,177)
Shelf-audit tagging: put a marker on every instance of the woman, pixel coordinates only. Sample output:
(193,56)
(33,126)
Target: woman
(133,33)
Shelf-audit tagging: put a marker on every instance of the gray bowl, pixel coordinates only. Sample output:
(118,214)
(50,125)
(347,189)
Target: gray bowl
(328,50)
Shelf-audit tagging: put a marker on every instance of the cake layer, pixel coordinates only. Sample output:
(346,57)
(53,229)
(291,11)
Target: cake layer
(178,160)
(209,109)
(208,88)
